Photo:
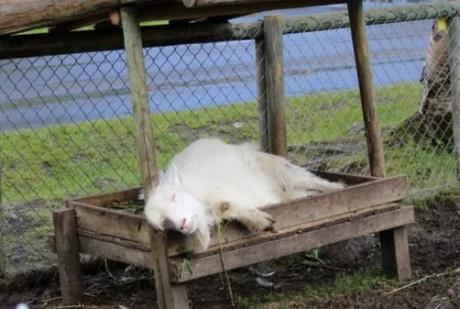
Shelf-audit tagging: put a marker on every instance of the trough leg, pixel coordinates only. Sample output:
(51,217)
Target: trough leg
(169,296)
(70,277)
(395,252)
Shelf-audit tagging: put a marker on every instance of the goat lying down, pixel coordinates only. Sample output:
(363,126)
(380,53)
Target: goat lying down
(210,181)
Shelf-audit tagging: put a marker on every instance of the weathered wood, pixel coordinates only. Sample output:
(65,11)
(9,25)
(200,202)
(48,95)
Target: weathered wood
(25,14)
(68,257)
(2,243)
(294,243)
(348,179)
(169,296)
(366,90)
(200,3)
(395,252)
(106,199)
(172,11)
(139,97)
(454,52)
(110,39)
(114,251)
(261,92)
(135,228)
(274,87)
(89,41)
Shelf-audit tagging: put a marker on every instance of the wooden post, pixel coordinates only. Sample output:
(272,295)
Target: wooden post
(394,245)
(261,92)
(395,252)
(168,296)
(274,84)
(139,97)
(454,52)
(65,231)
(2,243)
(363,67)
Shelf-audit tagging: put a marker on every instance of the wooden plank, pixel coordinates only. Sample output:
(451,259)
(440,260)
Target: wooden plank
(366,90)
(169,296)
(274,87)
(322,206)
(139,97)
(261,93)
(106,199)
(349,179)
(25,14)
(454,51)
(395,252)
(173,11)
(70,276)
(244,256)
(114,251)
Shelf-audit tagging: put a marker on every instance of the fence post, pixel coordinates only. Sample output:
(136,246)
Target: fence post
(168,295)
(271,78)
(454,52)
(2,241)
(261,92)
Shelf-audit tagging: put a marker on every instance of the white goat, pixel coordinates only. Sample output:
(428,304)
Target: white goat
(210,181)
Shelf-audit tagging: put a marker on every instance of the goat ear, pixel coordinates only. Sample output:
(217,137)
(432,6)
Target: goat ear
(177,180)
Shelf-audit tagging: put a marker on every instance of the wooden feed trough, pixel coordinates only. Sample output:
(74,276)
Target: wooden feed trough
(368,205)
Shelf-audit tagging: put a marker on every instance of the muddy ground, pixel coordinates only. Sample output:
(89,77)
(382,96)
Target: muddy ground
(434,245)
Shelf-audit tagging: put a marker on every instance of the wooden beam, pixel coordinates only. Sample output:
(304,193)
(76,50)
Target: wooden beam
(171,11)
(16,16)
(70,276)
(274,84)
(366,89)
(454,52)
(207,3)
(111,39)
(248,255)
(139,97)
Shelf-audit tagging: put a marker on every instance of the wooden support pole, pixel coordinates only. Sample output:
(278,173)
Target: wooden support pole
(261,92)
(139,97)
(169,296)
(395,252)
(274,84)
(454,52)
(363,67)
(394,244)
(66,241)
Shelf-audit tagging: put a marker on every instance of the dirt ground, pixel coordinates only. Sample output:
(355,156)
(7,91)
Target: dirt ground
(434,245)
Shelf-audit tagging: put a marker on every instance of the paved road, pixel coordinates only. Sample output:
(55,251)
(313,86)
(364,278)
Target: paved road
(72,88)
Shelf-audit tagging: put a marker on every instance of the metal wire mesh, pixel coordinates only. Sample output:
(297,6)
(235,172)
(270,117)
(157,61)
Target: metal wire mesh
(67,131)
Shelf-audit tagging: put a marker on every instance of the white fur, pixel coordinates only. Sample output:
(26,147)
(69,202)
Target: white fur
(210,180)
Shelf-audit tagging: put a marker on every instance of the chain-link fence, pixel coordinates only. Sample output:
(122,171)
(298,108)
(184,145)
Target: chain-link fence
(66,126)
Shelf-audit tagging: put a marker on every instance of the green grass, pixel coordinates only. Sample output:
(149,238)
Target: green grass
(79,159)
(344,284)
